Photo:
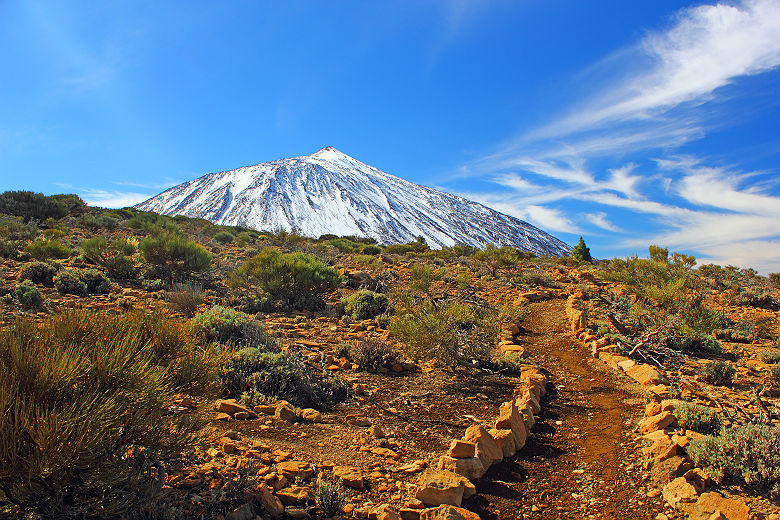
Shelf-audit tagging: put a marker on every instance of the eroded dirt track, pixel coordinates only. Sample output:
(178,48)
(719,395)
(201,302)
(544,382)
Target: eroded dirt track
(581,461)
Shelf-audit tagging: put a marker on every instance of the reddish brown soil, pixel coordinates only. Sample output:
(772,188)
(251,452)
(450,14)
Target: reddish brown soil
(582,460)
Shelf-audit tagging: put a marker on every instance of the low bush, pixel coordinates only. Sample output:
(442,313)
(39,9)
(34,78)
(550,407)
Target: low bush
(747,455)
(448,331)
(293,280)
(97,222)
(371,250)
(695,343)
(223,237)
(84,400)
(174,253)
(219,323)
(28,295)
(115,255)
(497,258)
(46,249)
(96,281)
(774,375)
(38,272)
(696,417)
(365,304)
(757,299)
(330,496)
(717,373)
(185,298)
(152,285)
(267,375)
(769,356)
(538,279)
(66,282)
(371,355)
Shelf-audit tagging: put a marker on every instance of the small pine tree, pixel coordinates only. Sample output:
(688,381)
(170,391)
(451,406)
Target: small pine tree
(581,252)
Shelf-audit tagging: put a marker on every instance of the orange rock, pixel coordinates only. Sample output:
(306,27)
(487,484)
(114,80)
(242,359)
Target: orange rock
(461,449)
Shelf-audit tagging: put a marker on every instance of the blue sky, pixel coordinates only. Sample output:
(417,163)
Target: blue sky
(629,123)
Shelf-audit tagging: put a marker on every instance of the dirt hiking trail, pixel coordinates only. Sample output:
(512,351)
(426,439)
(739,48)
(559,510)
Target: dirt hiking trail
(582,459)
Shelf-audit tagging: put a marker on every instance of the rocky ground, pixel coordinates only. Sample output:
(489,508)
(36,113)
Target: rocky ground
(594,437)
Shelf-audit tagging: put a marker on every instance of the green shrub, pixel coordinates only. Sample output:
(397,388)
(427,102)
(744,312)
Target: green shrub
(448,331)
(330,496)
(695,343)
(774,374)
(717,373)
(757,299)
(775,278)
(173,252)
(96,281)
(96,222)
(748,455)
(219,324)
(31,206)
(769,357)
(497,258)
(28,295)
(223,237)
(295,280)
(372,355)
(115,255)
(38,272)
(508,363)
(371,250)
(84,399)
(46,249)
(418,246)
(696,417)
(267,375)
(365,304)
(538,279)
(152,285)
(68,283)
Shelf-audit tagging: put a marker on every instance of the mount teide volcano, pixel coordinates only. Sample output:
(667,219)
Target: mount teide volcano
(330,192)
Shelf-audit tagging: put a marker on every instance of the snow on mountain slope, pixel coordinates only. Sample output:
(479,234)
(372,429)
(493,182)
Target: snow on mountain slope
(330,192)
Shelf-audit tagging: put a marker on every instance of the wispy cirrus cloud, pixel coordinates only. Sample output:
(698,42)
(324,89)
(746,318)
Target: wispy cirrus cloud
(655,97)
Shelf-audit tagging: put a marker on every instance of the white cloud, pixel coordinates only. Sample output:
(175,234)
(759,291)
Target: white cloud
(654,97)
(600,220)
(112,199)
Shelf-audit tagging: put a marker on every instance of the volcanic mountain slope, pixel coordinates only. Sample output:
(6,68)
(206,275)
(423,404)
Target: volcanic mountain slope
(330,192)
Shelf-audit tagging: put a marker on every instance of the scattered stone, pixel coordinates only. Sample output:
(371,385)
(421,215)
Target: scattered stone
(656,422)
(285,412)
(350,476)
(509,418)
(311,415)
(295,495)
(679,491)
(231,407)
(295,469)
(447,512)
(711,504)
(244,512)
(269,501)
(645,375)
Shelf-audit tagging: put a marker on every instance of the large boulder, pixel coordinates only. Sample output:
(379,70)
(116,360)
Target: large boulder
(351,477)
(645,375)
(656,422)
(678,492)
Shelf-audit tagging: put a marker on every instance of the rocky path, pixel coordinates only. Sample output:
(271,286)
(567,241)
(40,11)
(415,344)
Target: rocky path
(582,461)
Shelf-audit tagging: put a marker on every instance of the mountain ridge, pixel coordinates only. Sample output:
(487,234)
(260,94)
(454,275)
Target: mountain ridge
(332,192)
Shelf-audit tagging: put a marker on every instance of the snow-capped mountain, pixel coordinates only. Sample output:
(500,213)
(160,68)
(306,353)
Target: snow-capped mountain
(330,192)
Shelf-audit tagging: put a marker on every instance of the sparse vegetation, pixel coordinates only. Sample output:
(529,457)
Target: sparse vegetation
(365,304)
(38,272)
(373,355)
(696,417)
(83,396)
(28,295)
(717,373)
(292,280)
(748,455)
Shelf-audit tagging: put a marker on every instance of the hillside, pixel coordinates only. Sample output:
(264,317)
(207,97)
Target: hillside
(159,367)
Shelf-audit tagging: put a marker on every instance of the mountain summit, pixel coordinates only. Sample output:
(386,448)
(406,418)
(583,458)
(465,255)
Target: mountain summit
(331,192)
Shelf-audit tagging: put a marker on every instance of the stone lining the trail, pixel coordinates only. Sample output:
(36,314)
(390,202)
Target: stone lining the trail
(481,447)
(682,485)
